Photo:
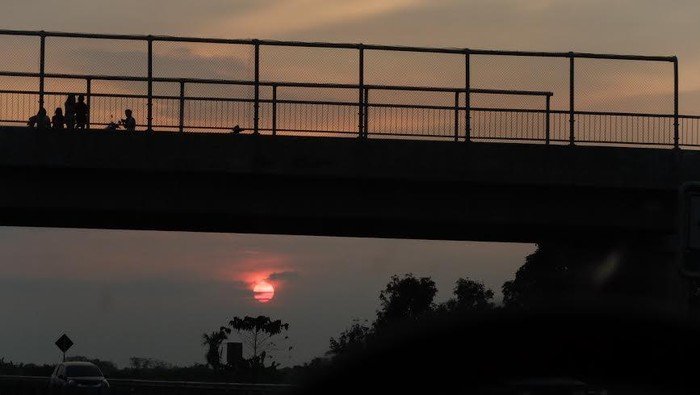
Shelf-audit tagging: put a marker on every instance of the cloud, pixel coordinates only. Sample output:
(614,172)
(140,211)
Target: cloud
(283,276)
(291,16)
(169,60)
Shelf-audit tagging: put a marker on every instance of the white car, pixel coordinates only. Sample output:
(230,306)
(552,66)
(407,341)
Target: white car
(77,378)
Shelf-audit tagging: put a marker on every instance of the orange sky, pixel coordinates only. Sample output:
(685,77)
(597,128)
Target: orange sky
(178,285)
(629,26)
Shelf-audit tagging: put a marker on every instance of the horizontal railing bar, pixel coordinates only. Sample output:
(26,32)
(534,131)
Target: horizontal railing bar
(39,33)
(542,139)
(340,103)
(74,76)
(669,144)
(395,48)
(580,55)
(278,84)
(624,114)
(446,136)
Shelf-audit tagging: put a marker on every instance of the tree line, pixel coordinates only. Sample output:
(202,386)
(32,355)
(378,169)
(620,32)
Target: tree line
(553,273)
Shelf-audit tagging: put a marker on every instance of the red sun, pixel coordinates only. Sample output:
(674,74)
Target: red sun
(263,291)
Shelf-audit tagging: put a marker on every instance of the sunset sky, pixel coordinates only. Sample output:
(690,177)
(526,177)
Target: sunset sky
(149,294)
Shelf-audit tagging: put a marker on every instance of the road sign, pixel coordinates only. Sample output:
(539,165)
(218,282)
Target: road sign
(64,343)
(689,232)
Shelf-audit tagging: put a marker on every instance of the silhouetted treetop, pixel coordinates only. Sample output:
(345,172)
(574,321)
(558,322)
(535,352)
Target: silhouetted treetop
(558,273)
(405,298)
(470,296)
(352,339)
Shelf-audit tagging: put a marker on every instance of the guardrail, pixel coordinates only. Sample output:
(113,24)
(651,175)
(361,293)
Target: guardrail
(262,110)
(440,117)
(33,385)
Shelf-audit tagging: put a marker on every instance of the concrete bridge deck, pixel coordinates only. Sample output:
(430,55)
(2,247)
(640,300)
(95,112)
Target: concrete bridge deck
(337,186)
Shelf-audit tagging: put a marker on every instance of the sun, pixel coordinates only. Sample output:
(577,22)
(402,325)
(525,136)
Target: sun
(263,291)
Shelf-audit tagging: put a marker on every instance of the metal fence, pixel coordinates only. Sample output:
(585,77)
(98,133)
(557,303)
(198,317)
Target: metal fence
(368,91)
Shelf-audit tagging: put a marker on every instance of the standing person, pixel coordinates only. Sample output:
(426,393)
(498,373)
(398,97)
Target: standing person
(70,111)
(40,120)
(130,122)
(81,113)
(58,120)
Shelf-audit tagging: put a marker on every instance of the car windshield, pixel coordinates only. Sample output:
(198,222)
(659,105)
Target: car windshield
(83,371)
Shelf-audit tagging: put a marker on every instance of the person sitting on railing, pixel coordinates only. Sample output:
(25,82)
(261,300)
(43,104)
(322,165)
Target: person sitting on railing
(58,120)
(40,120)
(129,122)
(70,111)
(81,113)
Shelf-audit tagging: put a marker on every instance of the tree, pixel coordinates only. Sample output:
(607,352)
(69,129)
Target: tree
(213,343)
(470,296)
(352,339)
(148,363)
(559,273)
(405,299)
(259,334)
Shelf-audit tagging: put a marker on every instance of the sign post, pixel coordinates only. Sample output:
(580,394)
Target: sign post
(64,343)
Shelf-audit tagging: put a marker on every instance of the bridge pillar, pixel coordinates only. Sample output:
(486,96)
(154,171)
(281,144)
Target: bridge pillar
(647,276)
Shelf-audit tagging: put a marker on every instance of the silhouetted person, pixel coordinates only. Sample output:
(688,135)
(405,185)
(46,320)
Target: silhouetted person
(70,112)
(81,113)
(58,120)
(40,120)
(129,122)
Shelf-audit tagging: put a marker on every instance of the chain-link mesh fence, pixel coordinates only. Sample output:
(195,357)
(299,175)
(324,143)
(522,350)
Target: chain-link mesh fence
(623,89)
(20,97)
(209,107)
(345,90)
(20,53)
(330,110)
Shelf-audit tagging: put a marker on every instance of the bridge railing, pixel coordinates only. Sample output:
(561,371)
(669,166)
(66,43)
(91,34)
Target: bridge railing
(450,109)
(184,112)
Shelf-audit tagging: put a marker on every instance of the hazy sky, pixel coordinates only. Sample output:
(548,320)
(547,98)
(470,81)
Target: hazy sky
(122,294)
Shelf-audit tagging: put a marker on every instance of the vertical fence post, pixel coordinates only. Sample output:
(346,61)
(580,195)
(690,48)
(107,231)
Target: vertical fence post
(88,91)
(42,67)
(274,109)
(149,105)
(456,116)
(256,107)
(547,120)
(468,97)
(182,106)
(572,102)
(361,84)
(366,117)
(676,124)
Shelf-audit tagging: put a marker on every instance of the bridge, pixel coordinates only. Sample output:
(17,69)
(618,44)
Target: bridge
(336,186)
(347,151)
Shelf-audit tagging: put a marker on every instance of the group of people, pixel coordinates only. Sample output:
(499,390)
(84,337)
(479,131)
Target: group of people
(74,117)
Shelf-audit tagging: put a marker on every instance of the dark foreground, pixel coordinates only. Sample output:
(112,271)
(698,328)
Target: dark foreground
(20,385)
(500,353)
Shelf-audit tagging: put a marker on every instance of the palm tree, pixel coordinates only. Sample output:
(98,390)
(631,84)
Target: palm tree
(213,343)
